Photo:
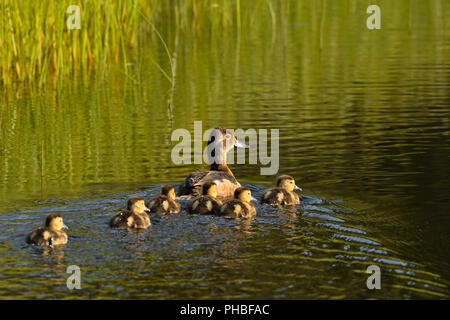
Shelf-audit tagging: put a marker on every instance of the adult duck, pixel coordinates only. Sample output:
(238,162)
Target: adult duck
(221,140)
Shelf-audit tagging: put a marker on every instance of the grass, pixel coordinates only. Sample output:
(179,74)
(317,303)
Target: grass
(37,45)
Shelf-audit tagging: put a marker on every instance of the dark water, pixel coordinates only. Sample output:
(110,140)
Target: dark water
(364,128)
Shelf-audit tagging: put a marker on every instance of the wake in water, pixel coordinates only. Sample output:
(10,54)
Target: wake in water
(318,249)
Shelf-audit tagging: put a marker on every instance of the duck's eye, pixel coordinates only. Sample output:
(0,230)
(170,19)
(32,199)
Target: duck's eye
(228,136)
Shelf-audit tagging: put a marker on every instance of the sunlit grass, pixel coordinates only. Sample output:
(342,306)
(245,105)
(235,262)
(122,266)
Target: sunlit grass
(36,43)
(36,46)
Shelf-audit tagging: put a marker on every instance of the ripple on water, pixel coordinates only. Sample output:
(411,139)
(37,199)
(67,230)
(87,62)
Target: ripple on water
(317,250)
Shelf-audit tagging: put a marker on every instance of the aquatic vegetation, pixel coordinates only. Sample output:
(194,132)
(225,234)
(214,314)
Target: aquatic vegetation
(36,43)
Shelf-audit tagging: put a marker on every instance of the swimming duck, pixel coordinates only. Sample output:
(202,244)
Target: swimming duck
(241,206)
(283,194)
(207,203)
(51,234)
(221,140)
(134,217)
(165,202)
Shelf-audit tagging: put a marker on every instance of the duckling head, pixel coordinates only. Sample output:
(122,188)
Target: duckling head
(54,221)
(137,205)
(244,194)
(287,182)
(169,191)
(209,188)
(221,140)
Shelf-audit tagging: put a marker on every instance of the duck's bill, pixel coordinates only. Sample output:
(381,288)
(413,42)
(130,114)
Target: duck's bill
(254,199)
(64,227)
(298,188)
(147,210)
(239,144)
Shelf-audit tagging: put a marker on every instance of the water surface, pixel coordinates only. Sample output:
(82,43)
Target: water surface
(363,127)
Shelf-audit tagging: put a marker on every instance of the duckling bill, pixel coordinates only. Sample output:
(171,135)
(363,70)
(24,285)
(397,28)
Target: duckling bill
(207,203)
(51,234)
(283,194)
(165,202)
(134,217)
(240,207)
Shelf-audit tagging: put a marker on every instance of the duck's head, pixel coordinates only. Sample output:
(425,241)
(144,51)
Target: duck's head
(137,205)
(287,182)
(169,191)
(54,221)
(209,188)
(244,194)
(221,140)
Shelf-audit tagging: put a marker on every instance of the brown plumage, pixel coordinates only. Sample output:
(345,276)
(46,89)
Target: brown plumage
(283,194)
(221,141)
(165,202)
(207,203)
(134,217)
(51,234)
(240,207)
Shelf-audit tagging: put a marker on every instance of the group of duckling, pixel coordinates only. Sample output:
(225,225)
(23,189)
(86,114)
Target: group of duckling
(215,192)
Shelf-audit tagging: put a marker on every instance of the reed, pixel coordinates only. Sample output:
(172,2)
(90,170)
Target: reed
(35,43)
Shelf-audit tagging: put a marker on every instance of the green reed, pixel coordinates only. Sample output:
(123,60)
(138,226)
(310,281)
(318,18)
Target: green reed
(36,44)
(36,47)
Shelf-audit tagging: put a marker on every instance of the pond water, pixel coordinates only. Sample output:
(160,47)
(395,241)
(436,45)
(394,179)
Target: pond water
(364,128)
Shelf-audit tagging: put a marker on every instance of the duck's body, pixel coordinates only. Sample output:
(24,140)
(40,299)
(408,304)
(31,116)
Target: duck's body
(283,194)
(126,219)
(220,142)
(204,205)
(239,208)
(279,196)
(51,234)
(165,203)
(226,184)
(134,217)
(207,203)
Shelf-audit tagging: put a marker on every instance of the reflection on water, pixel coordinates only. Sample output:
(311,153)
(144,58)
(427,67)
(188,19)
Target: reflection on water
(363,121)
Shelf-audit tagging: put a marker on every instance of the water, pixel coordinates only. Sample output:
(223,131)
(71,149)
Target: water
(363,127)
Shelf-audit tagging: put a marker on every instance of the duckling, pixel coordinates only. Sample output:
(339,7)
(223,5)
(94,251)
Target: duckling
(221,140)
(165,202)
(241,206)
(51,234)
(135,216)
(207,203)
(283,194)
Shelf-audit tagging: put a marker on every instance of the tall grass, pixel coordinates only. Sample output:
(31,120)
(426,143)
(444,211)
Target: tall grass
(35,43)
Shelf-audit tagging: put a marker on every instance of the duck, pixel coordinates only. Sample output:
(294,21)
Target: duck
(51,234)
(207,203)
(165,202)
(240,207)
(283,194)
(221,140)
(133,217)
